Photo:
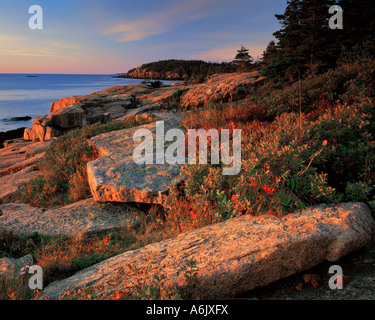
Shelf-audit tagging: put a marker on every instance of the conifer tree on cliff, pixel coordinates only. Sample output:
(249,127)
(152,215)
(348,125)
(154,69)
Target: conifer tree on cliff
(271,61)
(303,41)
(243,60)
(319,45)
(359,25)
(289,37)
(306,44)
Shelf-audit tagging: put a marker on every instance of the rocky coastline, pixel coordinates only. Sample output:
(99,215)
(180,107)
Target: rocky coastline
(268,248)
(124,101)
(140,73)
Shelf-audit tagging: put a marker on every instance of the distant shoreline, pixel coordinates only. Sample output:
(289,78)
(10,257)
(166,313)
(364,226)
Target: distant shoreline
(14,133)
(24,96)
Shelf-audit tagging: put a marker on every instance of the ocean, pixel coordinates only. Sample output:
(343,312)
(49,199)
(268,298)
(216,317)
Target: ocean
(23,95)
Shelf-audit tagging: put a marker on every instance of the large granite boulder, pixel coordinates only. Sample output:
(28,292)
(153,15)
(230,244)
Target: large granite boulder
(72,112)
(42,129)
(68,117)
(235,256)
(120,95)
(115,176)
(219,88)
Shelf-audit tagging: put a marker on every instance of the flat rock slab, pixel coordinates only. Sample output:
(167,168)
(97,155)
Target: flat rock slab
(21,154)
(235,256)
(85,216)
(16,160)
(115,176)
(9,183)
(132,113)
(219,87)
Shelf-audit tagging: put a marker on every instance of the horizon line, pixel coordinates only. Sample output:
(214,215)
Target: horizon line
(33,73)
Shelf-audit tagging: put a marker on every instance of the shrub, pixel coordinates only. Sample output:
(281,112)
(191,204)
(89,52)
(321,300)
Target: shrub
(154,84)
(357,191)
(351,81)
(278,172)
(350,153)
(142,290)
(66,158)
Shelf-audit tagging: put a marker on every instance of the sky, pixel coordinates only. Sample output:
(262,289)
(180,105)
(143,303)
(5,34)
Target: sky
(113,36)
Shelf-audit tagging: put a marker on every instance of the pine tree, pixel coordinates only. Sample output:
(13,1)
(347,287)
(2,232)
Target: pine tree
(269,53)
(243,59)
(304,40)
(306,44)
(271,61)
(359,24)
(289,40)
(319,45)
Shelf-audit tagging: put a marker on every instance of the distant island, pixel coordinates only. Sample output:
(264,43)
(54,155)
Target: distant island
(178,70)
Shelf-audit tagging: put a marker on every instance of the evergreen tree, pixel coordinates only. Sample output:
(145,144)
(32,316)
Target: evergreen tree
(289,39)
(243,59)
(305,43)
(271,61)
(318,40)
(269,53)
(359,25)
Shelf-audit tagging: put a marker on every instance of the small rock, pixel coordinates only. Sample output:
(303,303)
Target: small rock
(11,268)
(299,287)
(27,118)
(69,117)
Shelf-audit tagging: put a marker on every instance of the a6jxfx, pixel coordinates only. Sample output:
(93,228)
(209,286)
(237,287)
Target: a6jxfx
(205,310)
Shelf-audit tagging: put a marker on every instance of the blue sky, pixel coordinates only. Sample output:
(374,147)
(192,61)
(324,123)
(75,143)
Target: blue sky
(112,36)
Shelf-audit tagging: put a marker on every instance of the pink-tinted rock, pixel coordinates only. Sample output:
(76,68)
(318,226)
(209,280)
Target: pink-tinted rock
(235,256)
(85,216)
(115,176)
(68,117)
(116,102)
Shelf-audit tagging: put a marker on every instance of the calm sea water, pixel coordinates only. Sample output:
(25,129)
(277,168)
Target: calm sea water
(22,95)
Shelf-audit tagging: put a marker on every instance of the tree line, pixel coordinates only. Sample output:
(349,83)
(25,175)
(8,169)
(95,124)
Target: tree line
(185,69)
(305,44)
